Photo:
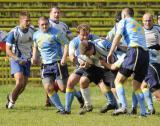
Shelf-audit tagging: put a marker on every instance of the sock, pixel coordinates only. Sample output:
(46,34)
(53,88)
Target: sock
(86,95)
(140,98)
(77,94)
(134,100)
(121,95)
(56,101)
(148,98)
(69,99)
(110,97)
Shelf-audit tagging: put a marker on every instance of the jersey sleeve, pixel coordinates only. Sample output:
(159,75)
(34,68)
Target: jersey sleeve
(10,38)
(72,48)
(120,27)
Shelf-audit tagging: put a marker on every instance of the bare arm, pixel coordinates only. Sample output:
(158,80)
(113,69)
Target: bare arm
(34,59)
(65,54)
(115,42)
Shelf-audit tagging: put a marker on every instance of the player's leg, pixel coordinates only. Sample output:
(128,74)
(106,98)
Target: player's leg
(148,98)
(112,103)
(12,97)
(72,81)
(119,81)
(48,83)
(84,87)
(139,96)
(17,71)
(63,82)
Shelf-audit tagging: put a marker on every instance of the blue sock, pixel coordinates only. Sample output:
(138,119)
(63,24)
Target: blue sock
(77,94)
(110,97)
(56,101)
(140,98)
(121,95)
(148,98)
(69,99)
(134,100)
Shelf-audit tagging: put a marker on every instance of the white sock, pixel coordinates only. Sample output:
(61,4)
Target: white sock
(86,95)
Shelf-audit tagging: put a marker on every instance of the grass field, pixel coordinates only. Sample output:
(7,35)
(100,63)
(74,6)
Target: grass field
(30,111)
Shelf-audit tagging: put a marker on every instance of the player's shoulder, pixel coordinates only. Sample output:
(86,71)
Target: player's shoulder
(157,27)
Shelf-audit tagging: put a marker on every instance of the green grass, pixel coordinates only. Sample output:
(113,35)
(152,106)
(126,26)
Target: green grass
(30,111)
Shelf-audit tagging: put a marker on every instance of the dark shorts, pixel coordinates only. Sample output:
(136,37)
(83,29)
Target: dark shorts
(153,77)
(136,62)
(54,70)
(96,74)
(16,67)
(80,71)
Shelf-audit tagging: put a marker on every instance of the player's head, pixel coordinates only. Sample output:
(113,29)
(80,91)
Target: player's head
(147,21)
(43,24)
(55,13)
(158,19)
(127,12)
(87,48)
(118,17)
(83,31)
(24,19)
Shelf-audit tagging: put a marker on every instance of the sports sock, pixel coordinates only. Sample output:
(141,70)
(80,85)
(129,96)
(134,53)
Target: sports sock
(140,98)
(69,99)
(134,100)
(110,97)
(148,98)
(56,101)
(121,95)
(86,95)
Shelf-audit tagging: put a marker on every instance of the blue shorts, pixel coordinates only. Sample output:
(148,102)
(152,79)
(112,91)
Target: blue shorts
(16,67)
(153,77)
(97,74)
(54,70)
(136,62)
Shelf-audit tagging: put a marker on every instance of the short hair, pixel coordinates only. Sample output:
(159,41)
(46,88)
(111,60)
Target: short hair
(44,18)
(129,11)
(84,27)
(58,8)
(84,47)
(24,13)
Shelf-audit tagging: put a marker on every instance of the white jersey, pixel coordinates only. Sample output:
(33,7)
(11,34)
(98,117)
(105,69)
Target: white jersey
(62,27)
(152,36)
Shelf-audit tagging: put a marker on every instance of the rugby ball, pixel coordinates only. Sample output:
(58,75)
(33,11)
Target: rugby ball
(83,58)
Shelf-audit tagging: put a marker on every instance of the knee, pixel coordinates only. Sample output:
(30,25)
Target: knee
(84,82)
(72,80)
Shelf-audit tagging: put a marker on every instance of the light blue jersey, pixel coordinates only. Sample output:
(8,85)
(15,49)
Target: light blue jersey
(21,41)
(49,44)
(74,44)
(132,32)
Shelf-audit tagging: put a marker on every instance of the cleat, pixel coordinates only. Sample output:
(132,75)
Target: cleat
(108,107)
(142,116)
(119,111)
(61,112)
(151,112)
(133,111)
(67,112)
(9,104)
(86,109)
